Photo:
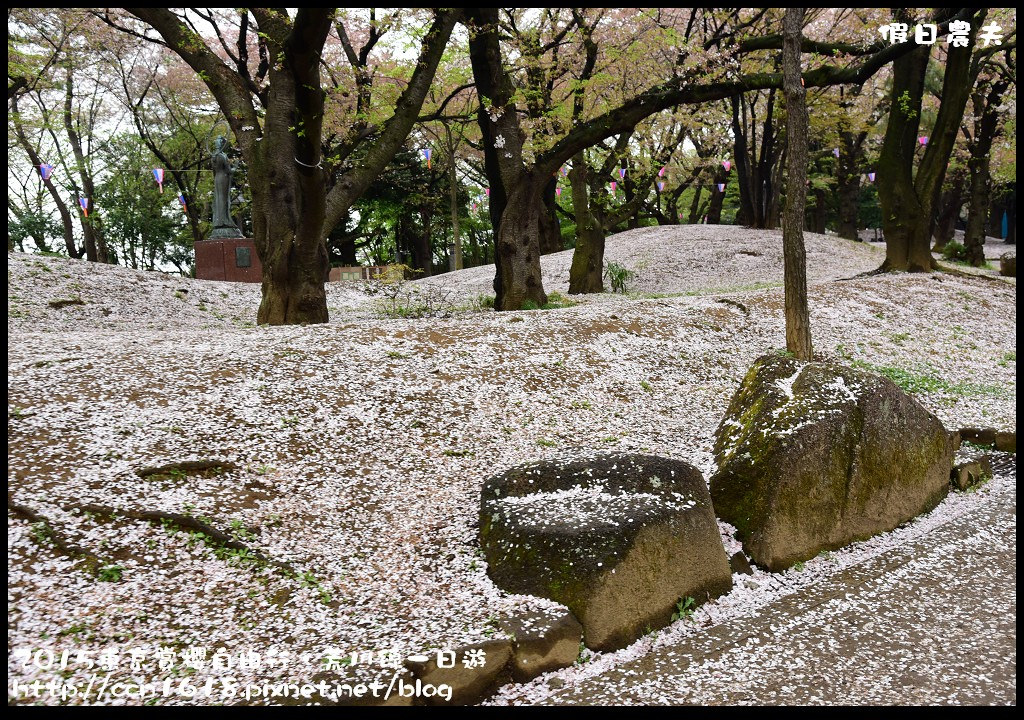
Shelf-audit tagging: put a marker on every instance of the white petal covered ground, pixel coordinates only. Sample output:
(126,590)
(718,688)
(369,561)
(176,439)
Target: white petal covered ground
(359,446)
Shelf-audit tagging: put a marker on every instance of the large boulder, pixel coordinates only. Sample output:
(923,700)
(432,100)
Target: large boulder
(619,539)
(813,456)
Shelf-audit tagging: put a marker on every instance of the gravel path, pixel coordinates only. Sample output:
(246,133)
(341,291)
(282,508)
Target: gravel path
(354,451)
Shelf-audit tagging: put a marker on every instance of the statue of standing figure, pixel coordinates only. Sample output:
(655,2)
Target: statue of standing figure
(223,225)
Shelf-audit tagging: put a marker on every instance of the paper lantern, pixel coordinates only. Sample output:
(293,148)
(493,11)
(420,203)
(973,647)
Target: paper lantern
(614,185)
(661,186)
(184,207)
(871,176)
(487,191)
(721,187)
(835,151)
(565,173)
(558,191)
(84,202)
(426,154)
(923,139)
(661,173)
(727,165)
(622,173)
(46,171)
(158,173)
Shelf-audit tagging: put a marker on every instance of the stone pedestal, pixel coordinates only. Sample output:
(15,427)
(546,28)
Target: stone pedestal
(229,259)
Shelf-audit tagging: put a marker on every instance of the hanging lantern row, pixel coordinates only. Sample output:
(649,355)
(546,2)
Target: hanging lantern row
(46,172)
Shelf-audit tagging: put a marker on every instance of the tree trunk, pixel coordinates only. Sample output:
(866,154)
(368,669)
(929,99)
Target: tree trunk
(550,232)
(908,200)
(798,322)
(950,203)
(586,275)
(58,199)
(848,183)
(453,197)
(986,125)
(517,247)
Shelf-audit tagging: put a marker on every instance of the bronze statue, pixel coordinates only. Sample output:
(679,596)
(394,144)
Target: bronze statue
(223,225)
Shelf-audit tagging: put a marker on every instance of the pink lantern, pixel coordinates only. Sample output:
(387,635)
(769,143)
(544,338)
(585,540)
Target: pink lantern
(661,173)
(923,139)
(558,191)
(614,185)
(158,173)
(727,165)
(487,191)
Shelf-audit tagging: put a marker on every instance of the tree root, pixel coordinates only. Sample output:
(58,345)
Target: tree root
(91,561)
(180,521)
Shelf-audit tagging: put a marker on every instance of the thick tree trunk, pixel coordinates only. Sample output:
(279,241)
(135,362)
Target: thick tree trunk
(586,275)
(517,247)
(798,322)
(908,200)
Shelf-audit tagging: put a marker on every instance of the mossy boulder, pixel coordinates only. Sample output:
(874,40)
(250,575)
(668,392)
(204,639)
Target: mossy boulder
(617,538)
(813,456)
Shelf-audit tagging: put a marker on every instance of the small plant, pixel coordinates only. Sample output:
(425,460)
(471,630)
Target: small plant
(799,566)
(41,533)
(109,573)
(544,442)
(955,252)
(646,386)
(583,656)
(619,276)
(240,531)
(684,609)
(459,453)
(395,355)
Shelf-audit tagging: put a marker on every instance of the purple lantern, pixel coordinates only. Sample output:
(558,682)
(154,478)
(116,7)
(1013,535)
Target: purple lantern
(622,173)
(46,171)
(721,187)
(871,176)
(835,151)
(158,173)
(661,186)
(84,202)
(184,207)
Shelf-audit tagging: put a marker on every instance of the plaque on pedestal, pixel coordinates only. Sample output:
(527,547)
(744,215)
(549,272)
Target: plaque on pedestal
(230,259)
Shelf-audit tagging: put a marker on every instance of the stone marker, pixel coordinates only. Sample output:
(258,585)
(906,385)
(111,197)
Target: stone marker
(468,682)
(617,538)
(1008,264)
(813,456)
(543,641)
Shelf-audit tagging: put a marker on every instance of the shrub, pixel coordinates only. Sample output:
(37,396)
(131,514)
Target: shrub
(618,276)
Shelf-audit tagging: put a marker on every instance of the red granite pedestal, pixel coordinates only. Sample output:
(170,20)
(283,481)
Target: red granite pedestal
(233,260)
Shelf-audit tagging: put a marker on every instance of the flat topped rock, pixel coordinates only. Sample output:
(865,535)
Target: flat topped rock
(617,538)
